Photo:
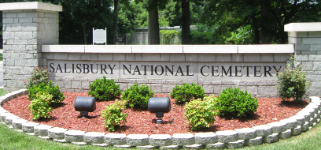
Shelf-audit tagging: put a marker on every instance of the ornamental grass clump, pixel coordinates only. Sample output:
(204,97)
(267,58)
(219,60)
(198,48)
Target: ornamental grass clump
(137,96)
(187,92)
(236,103)
(104,89)
(292,82)
(200,113)
(40,107)
(113,115)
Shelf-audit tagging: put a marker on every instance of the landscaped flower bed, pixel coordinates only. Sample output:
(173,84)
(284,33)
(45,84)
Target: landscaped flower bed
(143,122)
(302,121)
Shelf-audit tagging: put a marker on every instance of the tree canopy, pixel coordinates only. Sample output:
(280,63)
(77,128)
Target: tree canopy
(217,21)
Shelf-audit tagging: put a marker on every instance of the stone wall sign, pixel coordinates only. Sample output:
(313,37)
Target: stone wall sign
(166,70)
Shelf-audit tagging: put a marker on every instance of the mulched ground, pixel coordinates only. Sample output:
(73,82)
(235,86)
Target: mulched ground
(143,122)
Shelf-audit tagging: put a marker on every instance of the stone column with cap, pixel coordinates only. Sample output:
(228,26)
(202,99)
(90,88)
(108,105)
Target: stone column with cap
(26,27)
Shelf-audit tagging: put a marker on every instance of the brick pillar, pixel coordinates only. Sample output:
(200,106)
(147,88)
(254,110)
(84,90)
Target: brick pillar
(307,40)
(26,27)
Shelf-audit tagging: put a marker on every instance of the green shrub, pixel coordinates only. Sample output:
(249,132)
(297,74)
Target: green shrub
(113,115)
(236,103)
(292,82)
(185,93)
(104,89)
(57,96)
(38,75)
(137,96)
(40,106)
(200,113)
(168,36)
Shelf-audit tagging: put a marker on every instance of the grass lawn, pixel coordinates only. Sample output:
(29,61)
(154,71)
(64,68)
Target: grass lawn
(13,140)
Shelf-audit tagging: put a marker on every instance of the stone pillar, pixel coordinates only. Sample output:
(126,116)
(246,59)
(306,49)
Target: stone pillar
(26,27)
(307,40)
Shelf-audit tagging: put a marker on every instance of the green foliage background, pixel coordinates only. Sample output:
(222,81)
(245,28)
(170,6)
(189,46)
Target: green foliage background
(217,22)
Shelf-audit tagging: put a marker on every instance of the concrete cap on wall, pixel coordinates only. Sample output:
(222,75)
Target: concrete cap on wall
(30,6)
(302,27)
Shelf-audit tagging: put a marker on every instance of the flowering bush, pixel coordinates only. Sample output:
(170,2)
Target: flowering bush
(292,82)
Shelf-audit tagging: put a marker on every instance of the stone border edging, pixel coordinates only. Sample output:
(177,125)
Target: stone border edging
(269,133)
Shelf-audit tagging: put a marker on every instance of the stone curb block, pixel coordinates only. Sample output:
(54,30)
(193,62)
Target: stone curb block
(255,141)
(160,139)
(305,126)
(42,131)
(29,127)
(183,139)
(9,120)
(170,147)
(3,117)
(263,131)
(122,146)
(146,147)
(194,146)
(218,145)
(286,134)
(236,144)
(227,136)
(57,134)
(299,118)
(205,138)
(296,131)
(95,138)
(277,127)
(290,123)
(17,124)
(137,139)
(272,138)
(75,137)
(246,133)
(115,139)
(270,133)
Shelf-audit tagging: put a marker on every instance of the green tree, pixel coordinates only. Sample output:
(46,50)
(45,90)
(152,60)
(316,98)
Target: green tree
(115,23)
(267,18)
(132,16)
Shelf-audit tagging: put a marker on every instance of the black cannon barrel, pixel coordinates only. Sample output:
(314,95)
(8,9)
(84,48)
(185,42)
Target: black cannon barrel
(85,104)
(159,104)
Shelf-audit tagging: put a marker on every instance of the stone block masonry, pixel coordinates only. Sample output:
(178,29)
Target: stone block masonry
(26,27)
(230,139)
(307,40)
(255,73)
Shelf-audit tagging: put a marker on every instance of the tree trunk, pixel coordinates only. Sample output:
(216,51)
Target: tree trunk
(256,30)
(283,36)
(186,37)
(153,24)
(84,31)
(115,20)
(264,20)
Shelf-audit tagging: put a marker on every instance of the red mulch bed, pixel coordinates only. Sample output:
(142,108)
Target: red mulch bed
(143,122)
